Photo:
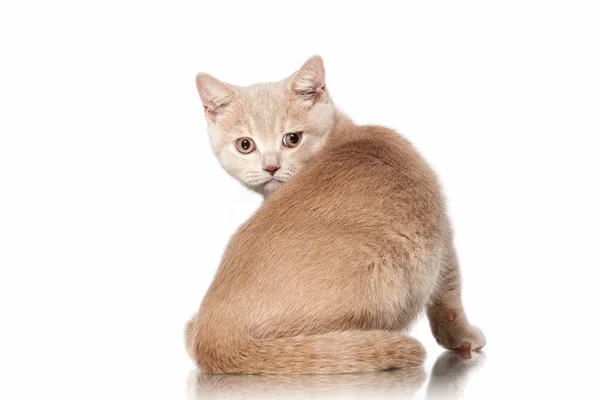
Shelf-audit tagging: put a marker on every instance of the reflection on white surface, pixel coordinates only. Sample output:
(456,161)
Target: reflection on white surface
(451,373)
(448,379)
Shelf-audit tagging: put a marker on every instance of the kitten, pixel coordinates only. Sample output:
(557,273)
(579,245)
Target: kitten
(338,261)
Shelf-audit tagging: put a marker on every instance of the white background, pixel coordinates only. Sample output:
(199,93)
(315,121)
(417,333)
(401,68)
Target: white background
(114,212)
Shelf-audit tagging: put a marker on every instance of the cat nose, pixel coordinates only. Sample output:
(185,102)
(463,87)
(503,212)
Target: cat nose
(271,169)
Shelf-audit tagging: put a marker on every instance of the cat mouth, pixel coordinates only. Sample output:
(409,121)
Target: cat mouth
(272,183)
(273,179)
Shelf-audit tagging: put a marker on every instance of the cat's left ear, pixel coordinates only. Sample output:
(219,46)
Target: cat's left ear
(309,80)
(215,95)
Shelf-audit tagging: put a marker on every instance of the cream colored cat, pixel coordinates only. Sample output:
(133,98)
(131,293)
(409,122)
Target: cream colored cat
(339,260)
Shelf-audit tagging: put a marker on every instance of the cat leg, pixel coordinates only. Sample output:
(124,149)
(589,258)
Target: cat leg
(447,317)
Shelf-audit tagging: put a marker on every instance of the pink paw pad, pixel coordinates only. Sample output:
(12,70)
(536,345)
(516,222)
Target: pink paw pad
(478,348)
(450,317)
(464,347)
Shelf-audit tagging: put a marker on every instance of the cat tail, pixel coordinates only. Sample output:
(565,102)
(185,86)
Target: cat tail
(230,351)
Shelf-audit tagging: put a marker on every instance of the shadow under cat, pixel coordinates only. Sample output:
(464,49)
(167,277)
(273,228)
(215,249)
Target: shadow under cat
(448,380)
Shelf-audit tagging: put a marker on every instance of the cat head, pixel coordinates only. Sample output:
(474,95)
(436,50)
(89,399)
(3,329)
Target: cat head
(263,134)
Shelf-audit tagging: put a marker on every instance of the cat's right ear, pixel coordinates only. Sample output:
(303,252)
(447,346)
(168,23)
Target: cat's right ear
(215,95)
(309,81)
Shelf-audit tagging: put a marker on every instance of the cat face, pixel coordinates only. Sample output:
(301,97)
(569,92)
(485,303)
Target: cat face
(265,133)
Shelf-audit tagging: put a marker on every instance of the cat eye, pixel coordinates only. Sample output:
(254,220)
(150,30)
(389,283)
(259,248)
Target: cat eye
(292,139)
(245,145)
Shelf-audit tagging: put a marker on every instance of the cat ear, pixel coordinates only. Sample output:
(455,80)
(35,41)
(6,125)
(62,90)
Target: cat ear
(215,95)
(309,80)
